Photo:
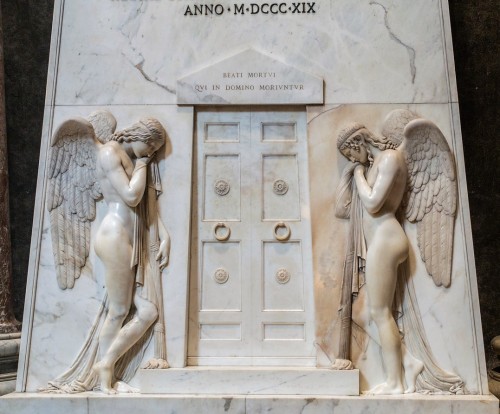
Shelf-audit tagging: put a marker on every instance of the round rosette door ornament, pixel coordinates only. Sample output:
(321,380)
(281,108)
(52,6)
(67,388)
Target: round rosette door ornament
(280,187)
(222,188)
(283,276)
(221,276)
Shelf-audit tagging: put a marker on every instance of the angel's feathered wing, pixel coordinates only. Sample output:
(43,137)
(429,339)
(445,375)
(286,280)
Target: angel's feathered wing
(71,199)
(431,196)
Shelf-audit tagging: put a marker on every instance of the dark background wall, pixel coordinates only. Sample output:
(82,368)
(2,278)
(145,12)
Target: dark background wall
(475,25)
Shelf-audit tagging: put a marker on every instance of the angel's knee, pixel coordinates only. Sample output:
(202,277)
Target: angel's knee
(380,314)
(118,312)
(147,312)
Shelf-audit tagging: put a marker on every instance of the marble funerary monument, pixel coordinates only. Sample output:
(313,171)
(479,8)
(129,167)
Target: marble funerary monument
(251,206)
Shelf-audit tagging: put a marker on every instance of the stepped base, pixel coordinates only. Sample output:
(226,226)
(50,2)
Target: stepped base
(92,403)
(249,381)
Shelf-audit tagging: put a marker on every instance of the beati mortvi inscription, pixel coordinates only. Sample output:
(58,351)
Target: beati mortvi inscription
(249,77)
(249,82)
(251,9)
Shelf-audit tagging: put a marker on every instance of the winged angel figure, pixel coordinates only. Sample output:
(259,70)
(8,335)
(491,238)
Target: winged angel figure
(89,160)
(407,173)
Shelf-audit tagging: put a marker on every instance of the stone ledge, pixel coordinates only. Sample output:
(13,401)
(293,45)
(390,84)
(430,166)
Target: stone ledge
(249,381)
(93,403)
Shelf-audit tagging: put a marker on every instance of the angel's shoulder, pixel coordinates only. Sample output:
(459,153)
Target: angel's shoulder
(109,154)
(391,157)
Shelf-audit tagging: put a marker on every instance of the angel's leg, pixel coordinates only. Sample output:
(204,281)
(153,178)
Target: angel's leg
(115,253)
(144,317)
(412,367)
(383,258)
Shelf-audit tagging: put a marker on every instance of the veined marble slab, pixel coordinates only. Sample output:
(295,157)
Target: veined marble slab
(91,403)
(250,380)
(373,51)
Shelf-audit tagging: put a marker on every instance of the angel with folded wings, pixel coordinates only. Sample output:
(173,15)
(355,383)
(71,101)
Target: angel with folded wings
(407,173)
(89,160)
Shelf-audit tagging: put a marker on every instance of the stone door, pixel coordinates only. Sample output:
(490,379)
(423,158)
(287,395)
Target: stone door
(251,287)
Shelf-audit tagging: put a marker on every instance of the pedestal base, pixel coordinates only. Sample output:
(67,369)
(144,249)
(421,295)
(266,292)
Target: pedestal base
(9,353)
(249,381)
(92,403)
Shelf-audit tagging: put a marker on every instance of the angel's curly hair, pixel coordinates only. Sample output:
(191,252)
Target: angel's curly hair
(350,137)
(147,130)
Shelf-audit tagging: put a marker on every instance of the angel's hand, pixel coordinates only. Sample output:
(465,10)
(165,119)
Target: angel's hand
(163,254)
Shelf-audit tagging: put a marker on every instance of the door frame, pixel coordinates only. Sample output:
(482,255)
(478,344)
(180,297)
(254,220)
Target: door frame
(194,261)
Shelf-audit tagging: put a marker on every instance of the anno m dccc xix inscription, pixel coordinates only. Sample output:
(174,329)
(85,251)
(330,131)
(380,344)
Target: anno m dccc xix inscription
(250,8)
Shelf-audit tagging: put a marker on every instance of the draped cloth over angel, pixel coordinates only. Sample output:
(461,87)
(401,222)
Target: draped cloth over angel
(80,377)
(349,206)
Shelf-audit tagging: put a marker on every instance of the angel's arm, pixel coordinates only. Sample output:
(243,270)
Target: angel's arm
(373,198)
(130,190)
(164,251)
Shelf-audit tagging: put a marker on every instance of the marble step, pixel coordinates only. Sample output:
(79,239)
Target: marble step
(249,380)
(92,403)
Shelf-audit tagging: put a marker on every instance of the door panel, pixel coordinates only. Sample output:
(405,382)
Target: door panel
(283,285)
(222,187)
(251,282)
(275,131)
(280,187)
(221,277)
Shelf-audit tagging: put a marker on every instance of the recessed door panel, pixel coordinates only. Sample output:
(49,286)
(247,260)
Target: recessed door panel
(280,187)
(221,277)
(283,287)
(222,132)
(222,187)
(276,131)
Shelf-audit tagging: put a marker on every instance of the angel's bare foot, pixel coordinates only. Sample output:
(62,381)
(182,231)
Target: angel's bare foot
(412,367)
(342,364)
(157,363)
(123,388)
(105,374)
(385,389)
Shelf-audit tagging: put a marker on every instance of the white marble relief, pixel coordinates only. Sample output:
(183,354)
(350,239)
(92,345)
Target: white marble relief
(325,124)
(90,160)
(377,51)
(76,308)
(128,57)
(407,172)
